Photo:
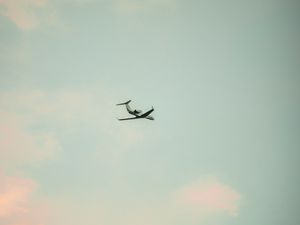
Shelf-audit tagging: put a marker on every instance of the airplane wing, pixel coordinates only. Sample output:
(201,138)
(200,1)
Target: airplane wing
(146,113)
(131,118)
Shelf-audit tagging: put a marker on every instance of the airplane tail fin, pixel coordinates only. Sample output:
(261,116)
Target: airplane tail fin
(124,103)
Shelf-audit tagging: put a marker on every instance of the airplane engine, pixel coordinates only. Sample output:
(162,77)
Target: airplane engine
(137,111)
(150,118)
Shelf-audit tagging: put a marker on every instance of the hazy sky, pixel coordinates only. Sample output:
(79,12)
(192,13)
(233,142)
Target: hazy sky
(223,77)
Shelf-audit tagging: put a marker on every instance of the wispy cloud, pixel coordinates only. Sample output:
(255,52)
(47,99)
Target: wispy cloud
(62,112)
(209,196)
(19,146)
(22,12)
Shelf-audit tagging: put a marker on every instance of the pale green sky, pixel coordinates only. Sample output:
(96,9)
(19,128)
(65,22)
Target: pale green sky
(223,77)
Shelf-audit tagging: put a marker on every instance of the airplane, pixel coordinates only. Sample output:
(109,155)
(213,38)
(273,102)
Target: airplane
(137,113)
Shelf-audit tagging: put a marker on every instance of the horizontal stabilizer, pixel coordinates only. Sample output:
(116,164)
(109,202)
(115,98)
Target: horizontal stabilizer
(124,103)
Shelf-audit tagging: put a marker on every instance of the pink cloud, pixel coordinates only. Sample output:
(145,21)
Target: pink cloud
(14,195)
(17,205)
(22,12)
(209,197)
